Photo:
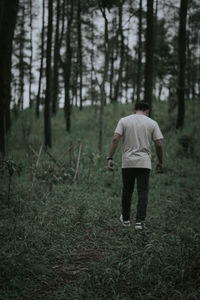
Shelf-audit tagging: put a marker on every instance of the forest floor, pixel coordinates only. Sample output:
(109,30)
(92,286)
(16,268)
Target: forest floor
(61,237)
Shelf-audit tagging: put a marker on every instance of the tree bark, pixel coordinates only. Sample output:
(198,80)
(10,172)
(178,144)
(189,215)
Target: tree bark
(67,66)
(37,111)
(139,61)
(47,116)
(118,86)
(8,15)
(105,75)
(56,60)
(21,59)
(80,59)
(31,54)
(181,63)
(149,55)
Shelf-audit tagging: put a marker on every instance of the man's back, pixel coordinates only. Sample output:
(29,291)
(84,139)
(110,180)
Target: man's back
(138,132)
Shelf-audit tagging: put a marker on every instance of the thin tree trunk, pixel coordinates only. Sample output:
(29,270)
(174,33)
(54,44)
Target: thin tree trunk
(189,61)
(31,54)
(8,15)
(105,75)
(118,86)
(127,66)
(21,60)
(56,60)
(149,55)
(112,59)
(80,59)
(37,111)
(181,63)
(92,61)
(67,70)
(47,116)
(139,61)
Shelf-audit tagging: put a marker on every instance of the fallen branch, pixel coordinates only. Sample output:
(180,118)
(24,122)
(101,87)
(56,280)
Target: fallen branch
(68,150)
(53,159)
(78,163)
(34,152)
(37,163)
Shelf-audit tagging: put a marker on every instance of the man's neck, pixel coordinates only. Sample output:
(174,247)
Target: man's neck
(141,112)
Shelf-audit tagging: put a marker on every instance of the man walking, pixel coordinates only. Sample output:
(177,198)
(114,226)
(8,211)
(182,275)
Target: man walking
(138,132)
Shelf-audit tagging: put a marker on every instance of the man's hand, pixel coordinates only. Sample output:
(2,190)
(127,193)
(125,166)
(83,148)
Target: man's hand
(113,146)
(159,152)
(111,164)
(159,168)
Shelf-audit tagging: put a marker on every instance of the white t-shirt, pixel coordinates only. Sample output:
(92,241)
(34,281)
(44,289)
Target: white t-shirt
(138,132)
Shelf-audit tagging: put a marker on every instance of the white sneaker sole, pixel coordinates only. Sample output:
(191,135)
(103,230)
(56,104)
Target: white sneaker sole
(127,224)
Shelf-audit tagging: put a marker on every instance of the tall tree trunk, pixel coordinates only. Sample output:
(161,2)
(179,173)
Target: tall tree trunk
(118,86)
(139,61)
(149,55)
(92,76)
(47,116)
(105,75)
(56,60)
(113,58)
(8,15)
(37,111)
(67,71)
(21,60)
(31,54)
(181,63)
(189,62)
(80,59)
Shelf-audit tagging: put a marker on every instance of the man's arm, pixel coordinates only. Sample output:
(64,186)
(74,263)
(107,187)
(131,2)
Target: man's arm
(159,152)
(113,147)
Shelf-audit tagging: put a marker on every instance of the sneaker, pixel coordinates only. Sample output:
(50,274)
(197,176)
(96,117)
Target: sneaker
(125,223)
(139,225)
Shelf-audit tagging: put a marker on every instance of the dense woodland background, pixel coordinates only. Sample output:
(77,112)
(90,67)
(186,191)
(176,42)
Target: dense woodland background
(71,53)
(69,70)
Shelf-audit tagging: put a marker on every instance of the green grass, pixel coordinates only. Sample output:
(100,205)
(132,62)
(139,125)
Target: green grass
(63,240)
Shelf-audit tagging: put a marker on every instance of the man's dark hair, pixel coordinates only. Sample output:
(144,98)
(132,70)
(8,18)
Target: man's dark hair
(141,106)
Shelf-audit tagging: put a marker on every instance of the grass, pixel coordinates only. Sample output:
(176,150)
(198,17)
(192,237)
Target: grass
(63,240)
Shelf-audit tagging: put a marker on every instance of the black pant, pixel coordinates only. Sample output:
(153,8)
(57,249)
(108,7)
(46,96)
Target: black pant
(128,176)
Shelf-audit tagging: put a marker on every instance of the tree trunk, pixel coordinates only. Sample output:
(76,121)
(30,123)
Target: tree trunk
(113,58)
(105,75)
(118,86)
(31,54)
(189,63)
(8,15)
(37,111)
(92,73)
(139,61)
(80,59)
(56,60)
(21,60)
(47,116)
(67,71)
(149,55)
(181,63)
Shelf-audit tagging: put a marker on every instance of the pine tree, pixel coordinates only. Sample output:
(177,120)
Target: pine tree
(181,63)
(149,55)
(37,110)
(47,112)
(8,15)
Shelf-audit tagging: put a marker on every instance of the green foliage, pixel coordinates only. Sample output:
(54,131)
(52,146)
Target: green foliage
(67,242)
